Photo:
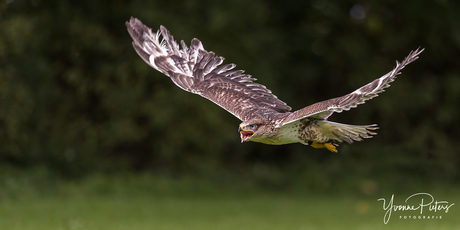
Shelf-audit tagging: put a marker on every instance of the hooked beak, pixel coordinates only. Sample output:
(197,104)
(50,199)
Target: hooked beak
(245,134)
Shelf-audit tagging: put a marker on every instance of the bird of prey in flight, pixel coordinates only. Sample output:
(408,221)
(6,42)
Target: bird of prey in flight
(264,117)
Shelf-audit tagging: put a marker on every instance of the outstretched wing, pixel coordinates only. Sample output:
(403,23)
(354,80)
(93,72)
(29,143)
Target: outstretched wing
(199,71)
(324,109)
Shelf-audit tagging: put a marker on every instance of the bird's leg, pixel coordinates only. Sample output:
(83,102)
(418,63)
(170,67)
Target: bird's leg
(328,146)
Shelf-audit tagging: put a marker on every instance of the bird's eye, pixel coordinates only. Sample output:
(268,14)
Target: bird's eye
(252,126)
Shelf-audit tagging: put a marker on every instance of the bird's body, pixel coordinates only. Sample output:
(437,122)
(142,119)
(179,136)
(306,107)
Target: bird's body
(265,118)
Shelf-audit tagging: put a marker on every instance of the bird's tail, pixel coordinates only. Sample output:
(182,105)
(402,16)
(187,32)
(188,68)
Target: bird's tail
(349,133)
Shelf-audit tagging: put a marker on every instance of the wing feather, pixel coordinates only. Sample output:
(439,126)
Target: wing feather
(199,71)
(324,109)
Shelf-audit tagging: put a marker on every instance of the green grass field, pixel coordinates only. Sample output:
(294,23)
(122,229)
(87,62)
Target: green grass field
(124,204)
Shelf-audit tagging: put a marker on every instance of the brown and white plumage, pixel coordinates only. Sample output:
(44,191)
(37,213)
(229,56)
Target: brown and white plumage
(265,118)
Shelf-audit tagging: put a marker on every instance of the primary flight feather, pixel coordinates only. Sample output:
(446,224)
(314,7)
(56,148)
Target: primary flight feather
(264,117)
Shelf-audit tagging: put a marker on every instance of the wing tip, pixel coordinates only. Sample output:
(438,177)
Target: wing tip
(413,55)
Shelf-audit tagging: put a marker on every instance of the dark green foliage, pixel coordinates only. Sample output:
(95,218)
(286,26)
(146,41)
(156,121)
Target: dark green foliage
(76,98)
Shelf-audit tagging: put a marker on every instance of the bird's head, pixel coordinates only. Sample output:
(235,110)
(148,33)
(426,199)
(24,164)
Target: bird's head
(249,130)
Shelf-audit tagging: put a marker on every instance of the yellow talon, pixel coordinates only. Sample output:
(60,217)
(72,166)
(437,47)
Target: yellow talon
(328,146)
(317,145)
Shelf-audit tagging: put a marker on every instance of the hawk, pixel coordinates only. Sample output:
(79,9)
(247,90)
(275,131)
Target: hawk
(265,118)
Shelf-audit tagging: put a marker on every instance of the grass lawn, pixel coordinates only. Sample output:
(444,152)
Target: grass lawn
(126,206)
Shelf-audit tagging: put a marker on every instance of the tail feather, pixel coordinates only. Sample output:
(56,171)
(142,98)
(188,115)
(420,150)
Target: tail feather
(348,133)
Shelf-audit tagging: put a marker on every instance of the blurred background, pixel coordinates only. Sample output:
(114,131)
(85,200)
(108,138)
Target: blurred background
(77,102)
